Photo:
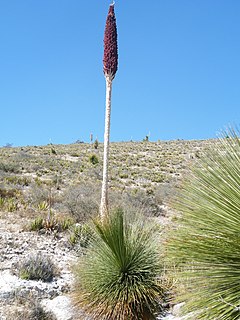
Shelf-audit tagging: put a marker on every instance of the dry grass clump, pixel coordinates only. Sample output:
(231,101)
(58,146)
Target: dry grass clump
(50,222)
(37,267)
(28,309)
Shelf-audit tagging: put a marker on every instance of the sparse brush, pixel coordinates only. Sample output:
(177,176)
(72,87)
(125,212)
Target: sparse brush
(80,235)
(117,278)
(37,267)
(43,206)
(2,202)
(135,201)
(205,247)
(51,223)
(36,224)
(82,201)
(31,310)
(11,204)
(65,223)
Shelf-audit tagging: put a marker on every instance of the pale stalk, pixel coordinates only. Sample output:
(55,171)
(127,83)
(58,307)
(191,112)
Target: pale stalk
(104,198)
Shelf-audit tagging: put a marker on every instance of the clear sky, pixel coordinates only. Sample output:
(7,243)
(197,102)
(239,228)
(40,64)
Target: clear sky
(178,76)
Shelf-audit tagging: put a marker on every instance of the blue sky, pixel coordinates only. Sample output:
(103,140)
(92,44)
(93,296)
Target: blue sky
(178,77)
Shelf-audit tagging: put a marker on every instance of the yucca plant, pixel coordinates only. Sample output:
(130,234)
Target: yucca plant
(205,246)
(110,65)
(117,279)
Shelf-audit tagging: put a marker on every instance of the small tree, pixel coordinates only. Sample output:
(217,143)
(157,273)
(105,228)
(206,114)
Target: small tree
(110,64)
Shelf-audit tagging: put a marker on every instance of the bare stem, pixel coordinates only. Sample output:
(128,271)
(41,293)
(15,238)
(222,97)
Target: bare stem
(104,198)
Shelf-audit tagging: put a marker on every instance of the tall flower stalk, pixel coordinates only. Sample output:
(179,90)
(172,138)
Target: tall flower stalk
(110,65)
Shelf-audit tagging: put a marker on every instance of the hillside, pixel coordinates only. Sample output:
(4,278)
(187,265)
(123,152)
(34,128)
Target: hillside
(59,185)
(132,164)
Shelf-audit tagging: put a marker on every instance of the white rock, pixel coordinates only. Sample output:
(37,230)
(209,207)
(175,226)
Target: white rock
(60,306)
(7,281)
(177,308)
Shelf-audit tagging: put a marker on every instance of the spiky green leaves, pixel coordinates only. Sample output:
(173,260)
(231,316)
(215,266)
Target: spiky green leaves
(206,245)
(110,58)
(118,275)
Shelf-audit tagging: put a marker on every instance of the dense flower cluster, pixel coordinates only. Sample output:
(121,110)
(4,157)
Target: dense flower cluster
(110,58)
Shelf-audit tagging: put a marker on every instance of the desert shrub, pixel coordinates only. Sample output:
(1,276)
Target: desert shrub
(205,246)
(53,151)
(165,192)
(57,181)
(18,180)
(31,310)
(82,201)
(38,195)
(43,206)
(2,202)
(74,154)
(117,278)
(96,144)
(93,159)
(37,224)
(65,223)
(9,193)
(11,204)
(50,222)
(9,200)
(12,167)
(136,200)
(37,267)
(80,235)
(43,197)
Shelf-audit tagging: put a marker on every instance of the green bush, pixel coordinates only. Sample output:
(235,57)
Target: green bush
(117,278)
(205,247)
(50,223)
(37,224)
(37,267)
(80,235)
(93,159)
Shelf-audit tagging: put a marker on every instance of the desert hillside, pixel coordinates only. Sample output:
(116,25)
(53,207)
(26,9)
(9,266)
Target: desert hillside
(48,193)
(144,165)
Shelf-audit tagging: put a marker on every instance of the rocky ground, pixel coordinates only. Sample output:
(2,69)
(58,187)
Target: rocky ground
(16,294)
(15,244)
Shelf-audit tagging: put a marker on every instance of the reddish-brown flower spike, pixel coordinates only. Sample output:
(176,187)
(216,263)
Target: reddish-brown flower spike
(110,58)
